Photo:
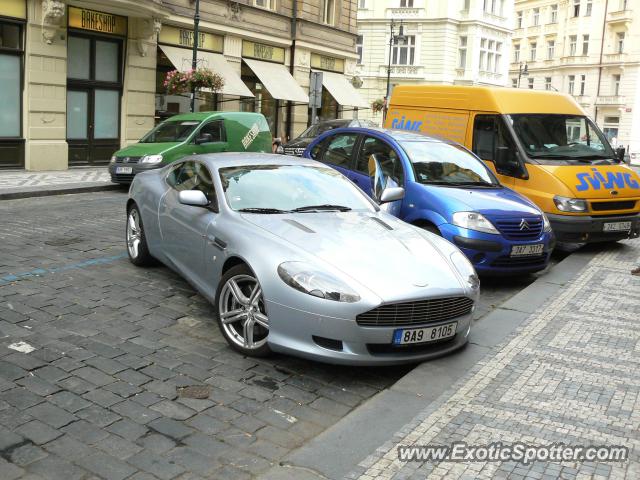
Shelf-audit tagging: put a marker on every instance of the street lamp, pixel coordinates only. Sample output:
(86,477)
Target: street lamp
(393,39)
(523,71)
(194,61)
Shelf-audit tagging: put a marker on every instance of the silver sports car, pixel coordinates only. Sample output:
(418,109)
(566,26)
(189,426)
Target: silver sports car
(297,259)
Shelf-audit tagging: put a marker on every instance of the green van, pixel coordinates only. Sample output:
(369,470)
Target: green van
(190,134)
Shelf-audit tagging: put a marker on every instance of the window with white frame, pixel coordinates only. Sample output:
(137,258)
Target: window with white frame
(516,53)
(531,80)
(329,12)
(583,84)
(519,16)
(494,7)
(466,4)
(615,83)
(535,17)
(362,3)
(623,4)
(490,55)
(406,3)
(588,8)
(359,47)
(573,41)
(269,4)
(514,83)
(483,54)
(620,42)
(551,49)
(547,83)
(403,53)
(462,53)
(576,8)
(585,44)
(533,51)
(553,18)
(572,84)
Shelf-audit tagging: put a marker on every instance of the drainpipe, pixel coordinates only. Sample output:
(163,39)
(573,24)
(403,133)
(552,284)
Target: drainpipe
(604,27)
(294,30)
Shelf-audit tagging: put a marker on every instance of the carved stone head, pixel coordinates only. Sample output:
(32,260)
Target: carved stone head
(52,11)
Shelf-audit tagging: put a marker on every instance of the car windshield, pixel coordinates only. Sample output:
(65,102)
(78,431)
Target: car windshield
(283,188)
(438,163)
(318,129)
(171,131)
(569,137)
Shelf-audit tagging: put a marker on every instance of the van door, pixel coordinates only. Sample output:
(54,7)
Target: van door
(492,142)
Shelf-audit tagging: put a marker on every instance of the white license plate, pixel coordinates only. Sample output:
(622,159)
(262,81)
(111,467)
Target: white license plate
(124,169)
(521,250)
(616,227)
(423,335)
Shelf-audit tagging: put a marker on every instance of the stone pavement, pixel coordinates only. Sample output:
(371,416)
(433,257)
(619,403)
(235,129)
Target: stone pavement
(570,374)
(21,183)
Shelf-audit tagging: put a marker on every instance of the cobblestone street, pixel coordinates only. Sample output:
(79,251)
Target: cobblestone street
(569,375)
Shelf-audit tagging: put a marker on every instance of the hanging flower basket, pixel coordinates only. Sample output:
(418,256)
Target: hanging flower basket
(183,82)
(377,105)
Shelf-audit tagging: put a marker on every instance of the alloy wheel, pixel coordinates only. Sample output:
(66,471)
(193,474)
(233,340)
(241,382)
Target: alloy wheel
(134,233)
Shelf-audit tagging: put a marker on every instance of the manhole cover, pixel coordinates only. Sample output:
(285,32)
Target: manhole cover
(194,391)
(61,242)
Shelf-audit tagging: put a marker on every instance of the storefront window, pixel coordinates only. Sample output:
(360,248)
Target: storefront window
(329,110)
(262,102)
(79,58)
(11,143)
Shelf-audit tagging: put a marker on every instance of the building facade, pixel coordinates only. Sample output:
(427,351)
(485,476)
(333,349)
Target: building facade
(446,42)
(589,49)
(82,78)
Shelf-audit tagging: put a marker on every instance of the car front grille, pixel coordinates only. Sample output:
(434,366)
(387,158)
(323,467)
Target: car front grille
(520,262)
(618,205)
(416,313)
(520,228)
(125,160)
(122,178)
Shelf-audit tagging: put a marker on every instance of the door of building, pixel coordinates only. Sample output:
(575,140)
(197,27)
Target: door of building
(94,90)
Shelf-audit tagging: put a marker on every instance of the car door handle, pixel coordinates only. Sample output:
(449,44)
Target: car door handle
(216,242)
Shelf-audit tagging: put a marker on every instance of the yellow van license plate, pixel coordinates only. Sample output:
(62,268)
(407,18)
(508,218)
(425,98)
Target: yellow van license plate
(520,250)
(616,227)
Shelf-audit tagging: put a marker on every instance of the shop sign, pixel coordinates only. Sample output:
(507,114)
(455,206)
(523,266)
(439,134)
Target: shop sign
(260,51)
(323,62)
(101,22)
(13,8)
(183,37)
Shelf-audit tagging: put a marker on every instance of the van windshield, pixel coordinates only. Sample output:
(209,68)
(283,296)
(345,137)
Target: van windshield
(438,163)
(567,137)
(171,131)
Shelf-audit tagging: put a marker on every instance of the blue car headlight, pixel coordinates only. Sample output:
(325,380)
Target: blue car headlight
(308,279)
(546,223)
(474,221)
(465,269)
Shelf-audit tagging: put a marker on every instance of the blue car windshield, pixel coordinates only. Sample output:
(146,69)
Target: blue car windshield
(287,188)
(437,163)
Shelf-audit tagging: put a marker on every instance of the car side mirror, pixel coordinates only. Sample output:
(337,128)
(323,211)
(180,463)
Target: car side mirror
(507,161)
(391,194)
(620,152)
(204,138)
(378,177)
(195,198)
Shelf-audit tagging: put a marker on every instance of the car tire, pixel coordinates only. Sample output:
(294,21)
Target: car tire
(136,240)
(241,312)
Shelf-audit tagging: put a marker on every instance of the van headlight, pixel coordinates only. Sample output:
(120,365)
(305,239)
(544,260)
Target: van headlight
(565,204)
(308,279)
(546,223)
(151,159)
(113,159)
(465,269)
(474,221)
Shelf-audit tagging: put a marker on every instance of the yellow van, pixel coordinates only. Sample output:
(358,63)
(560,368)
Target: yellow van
(541,144)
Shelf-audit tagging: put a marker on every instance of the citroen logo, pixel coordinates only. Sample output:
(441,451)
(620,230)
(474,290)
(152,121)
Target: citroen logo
(524,225)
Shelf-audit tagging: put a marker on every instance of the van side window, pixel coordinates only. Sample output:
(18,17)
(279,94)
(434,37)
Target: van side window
(491,141)
(215,129)
(340,150)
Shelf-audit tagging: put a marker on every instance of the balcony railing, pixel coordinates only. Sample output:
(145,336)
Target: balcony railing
(610,100)
(406,71)
(615,58)
(621,16)
(405,12)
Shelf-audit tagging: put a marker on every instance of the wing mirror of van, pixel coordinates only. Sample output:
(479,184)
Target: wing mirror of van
(204,138)
(620,152)
(507,161)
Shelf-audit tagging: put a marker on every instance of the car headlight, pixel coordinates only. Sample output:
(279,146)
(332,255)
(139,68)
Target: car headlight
(565,204)
(474,221)
(151,159)
(546,223)
(465,269)
(113,159)
(310,280)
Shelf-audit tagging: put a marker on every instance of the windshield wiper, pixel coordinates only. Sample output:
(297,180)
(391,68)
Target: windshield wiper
(262,210)
(463,184)
(327,206)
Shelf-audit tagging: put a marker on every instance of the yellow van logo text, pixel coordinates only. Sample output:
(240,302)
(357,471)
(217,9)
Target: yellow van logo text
(596,180)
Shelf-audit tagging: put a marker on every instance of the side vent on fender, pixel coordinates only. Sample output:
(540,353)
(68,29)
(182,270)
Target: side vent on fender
(380,222)
(296,224)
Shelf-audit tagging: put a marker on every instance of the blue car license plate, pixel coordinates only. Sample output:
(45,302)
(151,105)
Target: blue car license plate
(407,336)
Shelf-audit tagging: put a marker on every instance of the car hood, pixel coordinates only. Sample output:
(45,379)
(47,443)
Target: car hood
(597,181)
(140,149)
(394,260)
(493,202)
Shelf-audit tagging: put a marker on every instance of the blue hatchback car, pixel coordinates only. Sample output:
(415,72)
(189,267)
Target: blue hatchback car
(448,191)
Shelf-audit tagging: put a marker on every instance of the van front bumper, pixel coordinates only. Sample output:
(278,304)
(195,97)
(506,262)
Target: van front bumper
(126,178)
(590,229)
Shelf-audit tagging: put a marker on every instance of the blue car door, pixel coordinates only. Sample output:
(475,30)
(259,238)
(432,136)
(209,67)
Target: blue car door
(391,164)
